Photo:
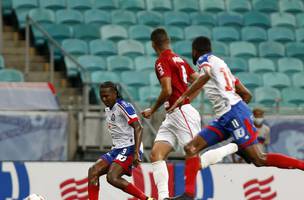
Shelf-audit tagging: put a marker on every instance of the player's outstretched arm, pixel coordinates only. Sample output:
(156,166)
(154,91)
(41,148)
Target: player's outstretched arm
(243,92)
(138,138)
(166,91)
(193,77)
(196,86)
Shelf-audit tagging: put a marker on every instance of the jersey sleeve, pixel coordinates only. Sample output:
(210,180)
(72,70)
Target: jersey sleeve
(204,65)
(162,69)
(128,112)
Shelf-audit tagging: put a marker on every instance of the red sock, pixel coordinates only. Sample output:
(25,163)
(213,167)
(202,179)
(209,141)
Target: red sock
(134,191)
(93,191)
(284,162)
(192,165)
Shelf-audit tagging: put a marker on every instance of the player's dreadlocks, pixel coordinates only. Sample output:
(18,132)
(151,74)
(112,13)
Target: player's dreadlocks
(115,87)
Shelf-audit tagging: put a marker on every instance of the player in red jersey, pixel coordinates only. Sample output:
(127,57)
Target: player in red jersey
(181,125)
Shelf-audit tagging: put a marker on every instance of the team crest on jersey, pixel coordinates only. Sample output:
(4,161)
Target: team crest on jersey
(113,117)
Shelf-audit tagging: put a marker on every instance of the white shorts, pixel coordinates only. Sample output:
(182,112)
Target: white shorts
(180,126)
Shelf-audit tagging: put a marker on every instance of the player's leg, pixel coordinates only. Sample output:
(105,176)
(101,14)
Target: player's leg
(114,177)
(98,169)
(159,154)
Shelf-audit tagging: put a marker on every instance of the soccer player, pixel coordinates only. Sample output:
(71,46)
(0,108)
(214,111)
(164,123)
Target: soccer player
(233,117)
(126,131)
(183,123)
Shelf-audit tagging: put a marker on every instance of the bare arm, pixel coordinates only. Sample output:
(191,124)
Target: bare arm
(138,138)
(243,92)
(193,77)
(166,91)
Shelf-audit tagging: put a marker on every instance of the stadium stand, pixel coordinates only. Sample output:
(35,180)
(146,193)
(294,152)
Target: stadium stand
(255,37)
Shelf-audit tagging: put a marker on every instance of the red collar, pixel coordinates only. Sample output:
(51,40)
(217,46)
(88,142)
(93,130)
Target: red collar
(165,52)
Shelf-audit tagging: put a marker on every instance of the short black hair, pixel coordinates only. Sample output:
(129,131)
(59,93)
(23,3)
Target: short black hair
(159,36)
(114,86)
(202,44)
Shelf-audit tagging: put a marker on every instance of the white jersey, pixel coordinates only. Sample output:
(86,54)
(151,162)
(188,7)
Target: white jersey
(220,89)
(119,119)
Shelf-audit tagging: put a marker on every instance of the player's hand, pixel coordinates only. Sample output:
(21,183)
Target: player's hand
(178,103)
(147,113)
(136,159)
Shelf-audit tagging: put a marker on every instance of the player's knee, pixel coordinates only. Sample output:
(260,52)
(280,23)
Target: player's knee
(260,161)
(112,179)
(189,150)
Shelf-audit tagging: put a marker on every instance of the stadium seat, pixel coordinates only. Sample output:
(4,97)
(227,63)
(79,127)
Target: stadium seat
(266,6)
(11,75)
(133,5)
(153,79)
(267,96)
(291,6)
(43,17)
(203,18)
(186,6)
(7,7)
(183,48)
(145,63)
(159,5)
(134,78)
(297,80)
(132,91)
(75,47)
(212,6)
(103,47)
(300,34)
(92,63)
(271,49)
(2,63)
(236,64)
(97,17)
(240,6)
(106,4)
(21,8)
(123,17)
(131,48)
(290,65)
(254,34)
(276,80)
(300,20)
(79,5)
(119,63)
(293,95)
(86,32)
(281,34)
(191,32)
(255,18)
(140,32)
(176,33)
(149,93)
(53,4)
(242,49)
(59,32)
(98,77)
(69,17)
(250,80)
(225,34)
(261,65)
(230,19)
(149,49)
(114,32)
(283,20)
(295,49)
(220,48)
(149,18)
(72,70)
(177,18)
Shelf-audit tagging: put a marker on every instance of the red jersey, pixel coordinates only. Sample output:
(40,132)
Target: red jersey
(171,65)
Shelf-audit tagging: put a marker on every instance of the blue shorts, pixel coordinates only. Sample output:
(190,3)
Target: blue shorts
(122,156)
(236,123)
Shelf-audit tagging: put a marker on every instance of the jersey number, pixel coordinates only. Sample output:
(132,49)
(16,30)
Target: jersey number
(185,76)
(121,157)
(228,80)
